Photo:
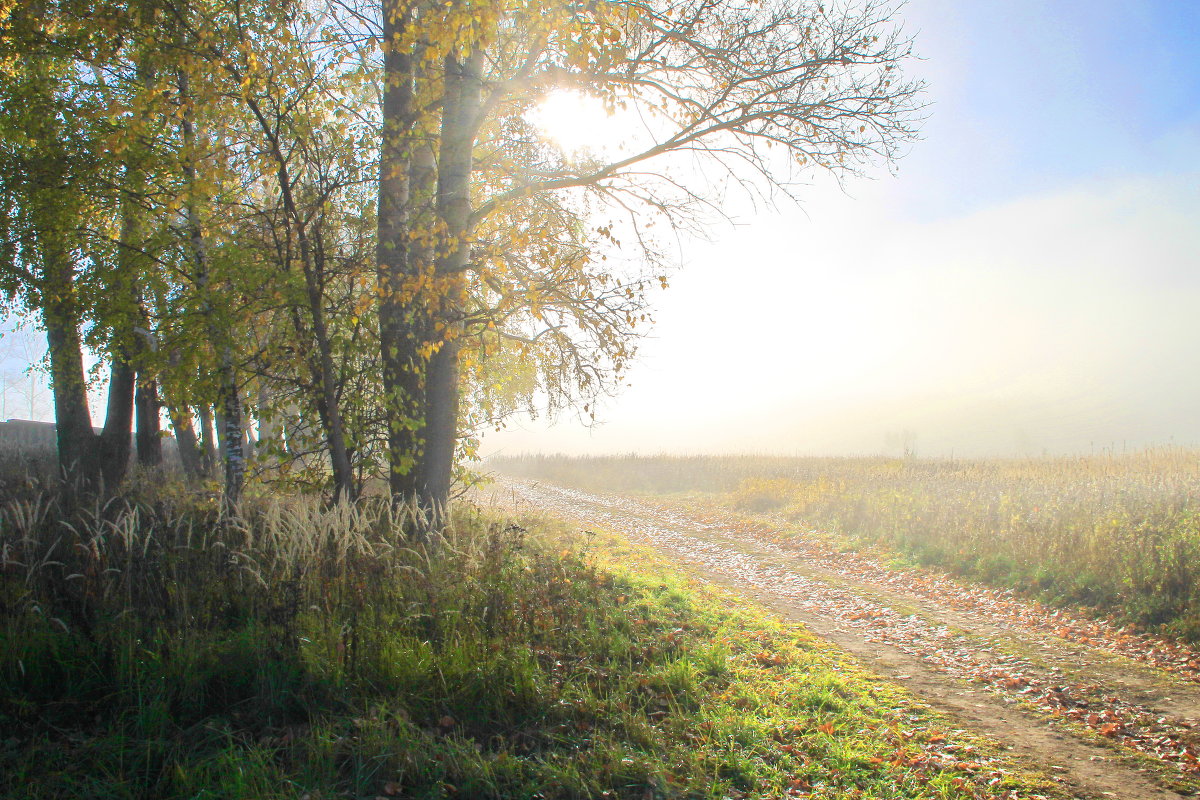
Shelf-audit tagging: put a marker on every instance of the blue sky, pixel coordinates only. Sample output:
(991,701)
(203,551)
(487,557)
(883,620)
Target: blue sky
(1028,282)
(1030,95)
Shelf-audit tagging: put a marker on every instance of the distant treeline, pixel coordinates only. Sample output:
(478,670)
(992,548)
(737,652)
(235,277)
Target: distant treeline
(23,434)
(32,437)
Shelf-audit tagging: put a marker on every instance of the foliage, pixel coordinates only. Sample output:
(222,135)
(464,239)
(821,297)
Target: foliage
(337,227)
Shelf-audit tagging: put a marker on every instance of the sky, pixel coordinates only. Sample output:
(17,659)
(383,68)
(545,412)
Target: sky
(1027,282)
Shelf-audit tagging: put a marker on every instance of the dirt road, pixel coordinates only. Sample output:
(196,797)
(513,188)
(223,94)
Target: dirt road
(1111,713)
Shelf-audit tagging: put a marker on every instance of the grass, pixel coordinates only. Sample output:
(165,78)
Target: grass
(1119,533)
(151,648)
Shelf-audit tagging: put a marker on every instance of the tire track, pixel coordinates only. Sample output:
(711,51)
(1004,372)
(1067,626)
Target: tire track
(1009,685)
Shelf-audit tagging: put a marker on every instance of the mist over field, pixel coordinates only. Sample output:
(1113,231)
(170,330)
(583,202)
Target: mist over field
(1061,323)
(1026,283)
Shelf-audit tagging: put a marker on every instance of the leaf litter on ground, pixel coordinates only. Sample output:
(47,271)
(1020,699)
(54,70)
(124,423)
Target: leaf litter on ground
(670,525)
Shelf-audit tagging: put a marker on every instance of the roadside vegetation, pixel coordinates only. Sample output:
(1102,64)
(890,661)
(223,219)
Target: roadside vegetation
(154,647)
(1116,533)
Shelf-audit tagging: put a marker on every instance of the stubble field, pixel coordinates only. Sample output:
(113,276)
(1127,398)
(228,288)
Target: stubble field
(1117,533)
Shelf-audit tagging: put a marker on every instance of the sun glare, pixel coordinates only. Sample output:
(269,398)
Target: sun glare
(578,123)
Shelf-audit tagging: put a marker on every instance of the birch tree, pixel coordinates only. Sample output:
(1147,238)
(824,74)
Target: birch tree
(725,83)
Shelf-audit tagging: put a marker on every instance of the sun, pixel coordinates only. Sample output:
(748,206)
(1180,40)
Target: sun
(579,124)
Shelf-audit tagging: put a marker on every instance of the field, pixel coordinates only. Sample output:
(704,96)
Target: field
(152,648)
(1117,533)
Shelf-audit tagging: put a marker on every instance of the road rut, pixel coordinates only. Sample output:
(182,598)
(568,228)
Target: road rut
(1077,705)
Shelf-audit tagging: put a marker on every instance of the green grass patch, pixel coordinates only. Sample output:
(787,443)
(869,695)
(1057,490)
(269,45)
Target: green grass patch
(156,650)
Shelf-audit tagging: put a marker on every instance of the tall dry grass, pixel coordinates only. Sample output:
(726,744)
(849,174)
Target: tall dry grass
(1120,532)
(152,648)
(181,647)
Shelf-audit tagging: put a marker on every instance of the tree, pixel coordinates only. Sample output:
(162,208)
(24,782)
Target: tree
(718,81)
(188,193)
(21,353)
(57,125)
(269,192)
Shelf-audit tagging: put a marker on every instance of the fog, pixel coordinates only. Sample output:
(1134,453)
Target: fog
(1028,282)
(1063,322)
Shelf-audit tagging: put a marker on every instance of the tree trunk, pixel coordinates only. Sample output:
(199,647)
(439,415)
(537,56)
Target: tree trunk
(460,123)
(208,438)
(128,318)
(55,219)
(249,440)
(71,414)
(268,423)
(190,456)
(126,347)
(114,441)
(60,313)
(149,430)
(232,449)
(227,389)
(76,456)
(331,412)
(293,431)
(399,317)
(321,363)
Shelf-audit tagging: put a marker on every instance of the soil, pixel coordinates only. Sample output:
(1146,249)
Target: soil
(1107,712)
